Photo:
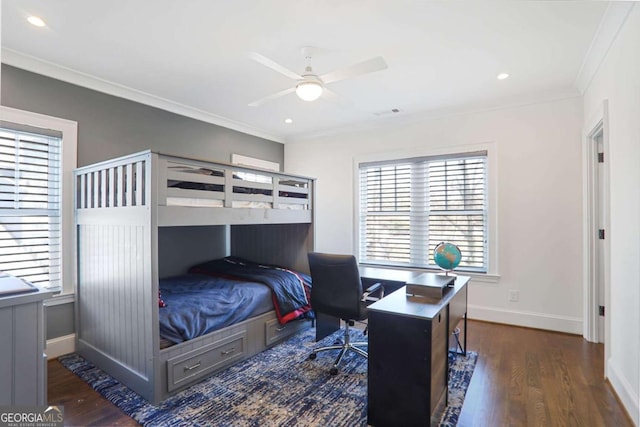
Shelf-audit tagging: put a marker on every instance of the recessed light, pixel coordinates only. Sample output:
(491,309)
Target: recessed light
(502,76)
(36,21)
(288,121)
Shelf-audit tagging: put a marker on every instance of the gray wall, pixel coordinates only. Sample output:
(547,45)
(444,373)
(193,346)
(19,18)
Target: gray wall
(60,320)
(110,127)
(203,243)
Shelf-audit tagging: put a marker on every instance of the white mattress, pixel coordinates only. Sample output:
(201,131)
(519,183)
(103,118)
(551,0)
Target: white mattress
(186,201)
(213,203)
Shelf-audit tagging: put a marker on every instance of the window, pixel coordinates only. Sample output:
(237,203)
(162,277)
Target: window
(409,206)
(37,155)
(30,216)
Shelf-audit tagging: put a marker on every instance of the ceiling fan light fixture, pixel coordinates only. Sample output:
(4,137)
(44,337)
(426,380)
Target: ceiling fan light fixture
(36,21)
(309,90)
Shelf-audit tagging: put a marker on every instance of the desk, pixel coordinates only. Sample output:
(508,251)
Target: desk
(408,345)
(393,280)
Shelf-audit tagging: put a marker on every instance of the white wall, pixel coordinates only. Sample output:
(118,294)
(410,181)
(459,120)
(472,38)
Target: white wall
(537,157)
(618,81)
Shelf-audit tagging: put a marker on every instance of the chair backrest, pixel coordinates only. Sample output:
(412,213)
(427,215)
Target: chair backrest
(336,286)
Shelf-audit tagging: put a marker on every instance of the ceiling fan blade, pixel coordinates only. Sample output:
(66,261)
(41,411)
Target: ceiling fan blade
(331,96)
(274,66)
(271,97)
(368,66)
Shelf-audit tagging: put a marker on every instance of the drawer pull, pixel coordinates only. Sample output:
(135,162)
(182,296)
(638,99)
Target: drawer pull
(281,329)
(231,350)
(191,368)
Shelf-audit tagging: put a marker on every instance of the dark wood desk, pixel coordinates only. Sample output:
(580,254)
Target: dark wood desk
(391,279)
(408,346)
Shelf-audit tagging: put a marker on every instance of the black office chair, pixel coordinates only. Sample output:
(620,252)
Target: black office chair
(337,291)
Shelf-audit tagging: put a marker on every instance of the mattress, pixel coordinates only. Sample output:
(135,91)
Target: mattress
(213,203)
(196,304)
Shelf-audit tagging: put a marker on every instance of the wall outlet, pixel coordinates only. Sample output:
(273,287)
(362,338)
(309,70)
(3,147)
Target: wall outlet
(514,295)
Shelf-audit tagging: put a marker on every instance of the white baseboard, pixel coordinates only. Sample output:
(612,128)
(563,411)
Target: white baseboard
(571,325)
(624,391)
(60,345)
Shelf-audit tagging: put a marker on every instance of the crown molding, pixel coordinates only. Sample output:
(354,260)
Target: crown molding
(68,75)
(418,117)
(612,22)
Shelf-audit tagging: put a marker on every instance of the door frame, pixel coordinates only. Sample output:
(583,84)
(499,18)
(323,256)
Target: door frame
(599,122)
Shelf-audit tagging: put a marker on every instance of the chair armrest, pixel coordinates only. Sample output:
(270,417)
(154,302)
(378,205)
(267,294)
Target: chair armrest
(376,287)
(373,288)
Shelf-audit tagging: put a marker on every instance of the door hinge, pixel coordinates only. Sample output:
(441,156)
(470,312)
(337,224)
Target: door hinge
(600,157)
(601,234)
(601,310)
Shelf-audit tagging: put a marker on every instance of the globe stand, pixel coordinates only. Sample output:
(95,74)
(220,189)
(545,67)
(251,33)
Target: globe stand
(446,273)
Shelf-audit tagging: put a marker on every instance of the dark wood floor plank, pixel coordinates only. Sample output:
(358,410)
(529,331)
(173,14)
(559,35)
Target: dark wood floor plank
(523,377)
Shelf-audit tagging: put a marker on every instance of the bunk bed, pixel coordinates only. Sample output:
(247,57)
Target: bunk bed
(148,221)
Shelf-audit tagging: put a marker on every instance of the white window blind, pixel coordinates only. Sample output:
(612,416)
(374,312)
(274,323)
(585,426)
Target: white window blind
(30,206)
(409,206)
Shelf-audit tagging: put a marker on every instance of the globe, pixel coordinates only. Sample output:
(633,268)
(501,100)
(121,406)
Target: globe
(447,256)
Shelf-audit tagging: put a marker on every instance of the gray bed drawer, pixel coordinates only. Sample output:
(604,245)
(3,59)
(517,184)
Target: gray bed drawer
(183,369)
(276,331)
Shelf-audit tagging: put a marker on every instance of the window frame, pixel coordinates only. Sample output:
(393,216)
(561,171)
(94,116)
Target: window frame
(491,275)
(69,131)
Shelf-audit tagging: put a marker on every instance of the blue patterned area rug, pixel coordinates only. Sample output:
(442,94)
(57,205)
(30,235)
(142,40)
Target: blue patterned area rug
(278,387)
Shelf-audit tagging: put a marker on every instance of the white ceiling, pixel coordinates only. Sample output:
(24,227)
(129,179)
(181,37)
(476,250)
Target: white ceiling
(191,57)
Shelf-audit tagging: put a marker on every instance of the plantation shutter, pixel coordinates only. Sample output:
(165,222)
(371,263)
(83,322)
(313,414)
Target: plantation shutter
(457,208)
(385,213)
(30,208)
(409,206)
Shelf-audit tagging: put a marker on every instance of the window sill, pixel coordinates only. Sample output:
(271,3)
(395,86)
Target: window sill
(483,278)
(60,299)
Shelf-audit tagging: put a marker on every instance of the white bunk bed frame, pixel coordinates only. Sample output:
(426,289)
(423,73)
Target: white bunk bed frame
(121,206)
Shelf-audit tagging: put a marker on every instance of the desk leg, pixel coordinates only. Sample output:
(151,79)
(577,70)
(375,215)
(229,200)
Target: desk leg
(460,348)
(465,335)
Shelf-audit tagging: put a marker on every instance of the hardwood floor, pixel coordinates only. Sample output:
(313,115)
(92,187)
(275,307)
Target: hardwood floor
(529,377)
(524,377)
(82,405)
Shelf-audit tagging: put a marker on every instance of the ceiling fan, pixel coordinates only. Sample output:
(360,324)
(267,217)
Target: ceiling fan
(309,85)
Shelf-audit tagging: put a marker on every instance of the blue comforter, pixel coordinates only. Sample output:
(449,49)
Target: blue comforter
(198,304)
(290,289)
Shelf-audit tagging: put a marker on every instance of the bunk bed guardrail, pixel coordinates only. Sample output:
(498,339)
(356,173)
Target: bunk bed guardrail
(120,183)
(183,182)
